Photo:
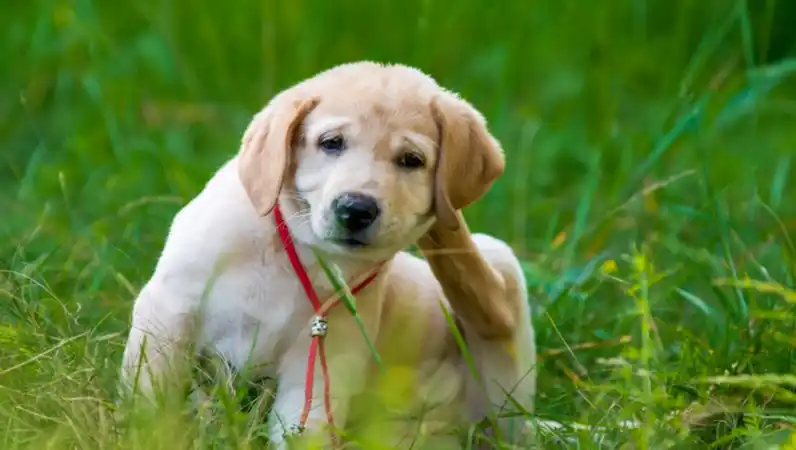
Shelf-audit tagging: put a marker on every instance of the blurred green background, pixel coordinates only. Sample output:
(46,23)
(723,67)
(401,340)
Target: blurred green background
(650,146)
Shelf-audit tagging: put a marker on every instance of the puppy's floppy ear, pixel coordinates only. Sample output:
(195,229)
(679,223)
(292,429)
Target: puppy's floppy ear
(469,158)
(266,150)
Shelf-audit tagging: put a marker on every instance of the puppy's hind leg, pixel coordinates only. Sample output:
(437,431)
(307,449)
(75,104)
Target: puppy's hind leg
(506,367)
(502,258)
(484,284)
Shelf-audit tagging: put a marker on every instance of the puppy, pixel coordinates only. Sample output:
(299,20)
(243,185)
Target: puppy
(353,164)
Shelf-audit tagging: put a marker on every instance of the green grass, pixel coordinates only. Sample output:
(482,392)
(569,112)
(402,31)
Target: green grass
(649,191)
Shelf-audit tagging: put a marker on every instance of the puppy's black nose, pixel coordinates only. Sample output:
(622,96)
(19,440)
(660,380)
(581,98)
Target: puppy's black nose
(355,212)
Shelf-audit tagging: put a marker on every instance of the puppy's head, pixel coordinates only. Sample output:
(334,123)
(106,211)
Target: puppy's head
(364,157)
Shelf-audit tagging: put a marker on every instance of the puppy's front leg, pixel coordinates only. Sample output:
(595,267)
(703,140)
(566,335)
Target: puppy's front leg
(348,361)
(165,312)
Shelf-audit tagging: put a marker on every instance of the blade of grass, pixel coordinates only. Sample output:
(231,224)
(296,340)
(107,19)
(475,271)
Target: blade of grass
(341,287)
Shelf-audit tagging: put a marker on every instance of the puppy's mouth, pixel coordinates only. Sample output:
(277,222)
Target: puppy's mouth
(350,242)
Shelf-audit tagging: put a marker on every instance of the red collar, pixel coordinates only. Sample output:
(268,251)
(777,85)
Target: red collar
(318,330)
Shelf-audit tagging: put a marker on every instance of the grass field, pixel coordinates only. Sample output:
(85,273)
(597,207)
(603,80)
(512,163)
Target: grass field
(649,191)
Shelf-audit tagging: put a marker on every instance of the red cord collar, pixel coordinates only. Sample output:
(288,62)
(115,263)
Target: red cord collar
(319,328)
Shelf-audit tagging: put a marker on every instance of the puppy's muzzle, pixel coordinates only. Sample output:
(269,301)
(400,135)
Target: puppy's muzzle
(355,212)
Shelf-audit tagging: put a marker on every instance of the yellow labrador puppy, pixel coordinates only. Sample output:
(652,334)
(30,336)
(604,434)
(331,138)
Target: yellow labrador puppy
(354,164)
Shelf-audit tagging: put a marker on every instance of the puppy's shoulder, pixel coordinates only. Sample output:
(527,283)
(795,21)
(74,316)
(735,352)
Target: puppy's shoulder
(218,223)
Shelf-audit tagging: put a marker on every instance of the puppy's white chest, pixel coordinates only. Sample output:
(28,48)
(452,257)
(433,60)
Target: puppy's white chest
(254,312)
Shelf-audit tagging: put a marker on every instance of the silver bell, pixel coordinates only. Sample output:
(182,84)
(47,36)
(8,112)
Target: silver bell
(295,429)
(319,326)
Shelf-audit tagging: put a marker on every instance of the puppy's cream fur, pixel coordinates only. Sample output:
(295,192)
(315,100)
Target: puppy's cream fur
(223,284)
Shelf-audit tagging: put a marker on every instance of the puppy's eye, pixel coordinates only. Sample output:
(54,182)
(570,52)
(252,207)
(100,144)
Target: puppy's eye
(411,160)
(332,144)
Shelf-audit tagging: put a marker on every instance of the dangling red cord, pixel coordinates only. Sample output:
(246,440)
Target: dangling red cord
(319,328)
